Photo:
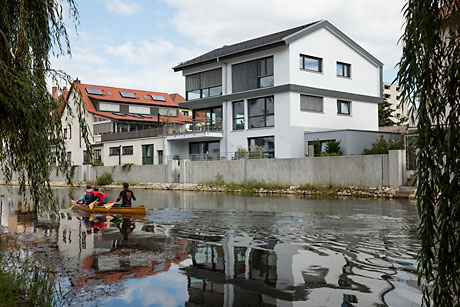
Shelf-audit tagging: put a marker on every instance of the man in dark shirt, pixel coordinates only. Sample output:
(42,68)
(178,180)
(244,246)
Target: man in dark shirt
(126,196)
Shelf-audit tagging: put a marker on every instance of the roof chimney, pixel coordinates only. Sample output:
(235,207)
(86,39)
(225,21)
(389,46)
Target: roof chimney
(54,92)
(77,81)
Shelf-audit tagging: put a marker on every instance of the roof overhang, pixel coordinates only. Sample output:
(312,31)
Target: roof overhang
(181,67)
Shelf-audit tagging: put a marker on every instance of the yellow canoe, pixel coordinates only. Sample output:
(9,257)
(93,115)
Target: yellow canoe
(139,210)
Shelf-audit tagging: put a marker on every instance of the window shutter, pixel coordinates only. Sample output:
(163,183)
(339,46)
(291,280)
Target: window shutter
(311,103)
(244,76)
(192,82)
(211,78)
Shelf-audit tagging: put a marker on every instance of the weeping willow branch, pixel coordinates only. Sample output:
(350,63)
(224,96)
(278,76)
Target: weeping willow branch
(430,76)
(31,131)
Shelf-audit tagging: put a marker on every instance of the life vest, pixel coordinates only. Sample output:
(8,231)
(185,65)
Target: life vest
(105,198)
(89,195)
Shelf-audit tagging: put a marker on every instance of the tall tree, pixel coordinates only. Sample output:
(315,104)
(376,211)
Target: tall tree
(30,125)
(385,114)
(430,72)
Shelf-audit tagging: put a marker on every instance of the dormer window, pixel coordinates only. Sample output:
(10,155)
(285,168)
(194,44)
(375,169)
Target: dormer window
(204,84)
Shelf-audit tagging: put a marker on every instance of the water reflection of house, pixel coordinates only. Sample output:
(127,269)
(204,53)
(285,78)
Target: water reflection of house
(247,271)
(18,218)
(109,256)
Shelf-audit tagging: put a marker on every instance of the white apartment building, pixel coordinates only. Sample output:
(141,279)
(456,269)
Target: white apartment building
(266,93)
(126,125)
(399,109)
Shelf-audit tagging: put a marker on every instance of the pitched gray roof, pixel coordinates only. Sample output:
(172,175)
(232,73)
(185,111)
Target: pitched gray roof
(256,43)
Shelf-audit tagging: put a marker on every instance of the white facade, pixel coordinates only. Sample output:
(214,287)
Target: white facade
(362,90)
(399,109)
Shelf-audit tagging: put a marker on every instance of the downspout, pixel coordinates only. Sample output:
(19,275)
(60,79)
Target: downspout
(224,117)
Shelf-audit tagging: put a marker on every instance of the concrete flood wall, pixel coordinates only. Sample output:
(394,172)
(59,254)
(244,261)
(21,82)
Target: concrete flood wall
(136,174)
(359,170)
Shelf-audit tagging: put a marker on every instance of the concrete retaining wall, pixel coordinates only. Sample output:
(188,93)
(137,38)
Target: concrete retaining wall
(359,170)
(365,171)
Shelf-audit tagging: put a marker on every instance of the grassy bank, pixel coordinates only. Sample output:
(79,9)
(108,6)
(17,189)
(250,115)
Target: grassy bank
(26,280)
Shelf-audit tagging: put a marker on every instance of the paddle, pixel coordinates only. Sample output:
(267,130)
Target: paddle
(91,205)
(73,204)
(109,205)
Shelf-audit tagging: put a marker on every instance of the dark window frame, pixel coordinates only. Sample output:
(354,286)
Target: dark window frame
(302,63)
(261,70)
(97,155)
(339,107)
(345,73)
(235,119)
(125,150)
(86,158)
(271,153)
(203,92)
(148,160)
(265,115)
(314,111)
(114,151)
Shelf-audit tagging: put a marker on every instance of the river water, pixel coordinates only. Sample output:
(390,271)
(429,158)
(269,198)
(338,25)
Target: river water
(210,249)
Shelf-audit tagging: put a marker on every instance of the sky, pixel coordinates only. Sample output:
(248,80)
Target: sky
(134,43)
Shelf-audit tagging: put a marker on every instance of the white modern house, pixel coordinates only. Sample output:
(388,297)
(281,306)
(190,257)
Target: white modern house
(125,125)
(266,93)
(399,108)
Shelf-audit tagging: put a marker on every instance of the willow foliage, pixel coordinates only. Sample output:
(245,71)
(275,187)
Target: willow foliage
(30,123)
(430,75)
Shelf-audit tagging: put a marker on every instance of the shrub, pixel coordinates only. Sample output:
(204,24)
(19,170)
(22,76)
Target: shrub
(104,179)
(242,153)
(126,167)
(27,280)
(218,179)
(381,146)
(332,149)
(256,155)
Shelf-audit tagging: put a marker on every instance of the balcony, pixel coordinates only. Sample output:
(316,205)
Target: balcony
(137,134)
(202,129)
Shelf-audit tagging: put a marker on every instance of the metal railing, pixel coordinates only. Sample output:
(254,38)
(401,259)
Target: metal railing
(193,127)
(222,156)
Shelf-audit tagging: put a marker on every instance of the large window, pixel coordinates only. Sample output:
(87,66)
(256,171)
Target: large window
(69,157)
(343,107)
(147,154)
(205,151)
(261,112)
(127,150)
(204,84)
(252,74)
(343,70)
(238,115)
(311,103)
(311,63)
(262,146)
(211,116)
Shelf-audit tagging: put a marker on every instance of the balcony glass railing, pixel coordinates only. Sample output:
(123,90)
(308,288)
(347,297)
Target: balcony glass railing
(196,126)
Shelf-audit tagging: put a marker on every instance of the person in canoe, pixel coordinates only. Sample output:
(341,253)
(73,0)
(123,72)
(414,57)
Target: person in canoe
(126,196)
(88,196)
(103,199)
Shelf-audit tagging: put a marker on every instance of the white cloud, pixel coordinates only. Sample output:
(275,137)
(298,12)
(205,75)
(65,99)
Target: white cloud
(122,7)
(375,25)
